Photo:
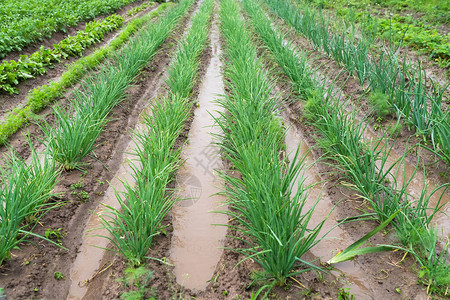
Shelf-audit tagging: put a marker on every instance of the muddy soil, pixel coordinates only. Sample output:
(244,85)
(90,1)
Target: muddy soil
(30,272)
(9,102)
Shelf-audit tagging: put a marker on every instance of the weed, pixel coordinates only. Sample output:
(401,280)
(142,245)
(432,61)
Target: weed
(77,185)
(344,294)
(381,104)
(59,275)
(138,279)
(55,234)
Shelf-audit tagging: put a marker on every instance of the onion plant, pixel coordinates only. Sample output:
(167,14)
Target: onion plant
(24,191)
(404,85)
(75,136)
(271,218)
(365,164)
(144,205)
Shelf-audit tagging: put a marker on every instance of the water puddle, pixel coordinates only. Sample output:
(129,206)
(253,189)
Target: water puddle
(338,239)
(90,253)
(406,170)
(196,241)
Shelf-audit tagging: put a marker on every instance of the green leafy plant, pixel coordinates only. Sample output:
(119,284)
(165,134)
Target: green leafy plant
(59,276)
(29,66)
(24,193)
(143,206)
(55,234)
(21,28)
(40,97)
(138,278)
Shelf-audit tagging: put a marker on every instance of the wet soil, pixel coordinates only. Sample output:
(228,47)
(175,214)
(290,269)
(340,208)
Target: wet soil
(30,272)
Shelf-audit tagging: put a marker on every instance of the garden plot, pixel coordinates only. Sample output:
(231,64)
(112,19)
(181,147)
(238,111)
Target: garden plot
(219,165)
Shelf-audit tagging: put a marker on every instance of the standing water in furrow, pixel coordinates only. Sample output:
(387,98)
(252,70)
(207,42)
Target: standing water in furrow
(337,238)
(88,260)
(196,240)
(407,170)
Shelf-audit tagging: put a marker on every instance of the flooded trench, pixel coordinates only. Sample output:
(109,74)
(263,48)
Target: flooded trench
(337,239)
(90,255)
(407,170)
(196,239)
(441,219)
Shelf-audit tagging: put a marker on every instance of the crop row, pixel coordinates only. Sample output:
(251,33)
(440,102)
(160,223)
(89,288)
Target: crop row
(28,66)
(27,21)
(40,97)
(432,12)
(145,203)
(76,130)
(268,211)
(395,29)
(397,86)
(365,166)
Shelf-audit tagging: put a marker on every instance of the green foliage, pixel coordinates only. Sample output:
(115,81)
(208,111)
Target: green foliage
(12,72)
(140,8)
(54,234)
(28,21)
(274,222)
(143,207)
(138,278)
(59,276)
(24,191)
(381,104)
(414,97)
(73,137)
(76,132)
(366,167)
(40,97)
(344,294)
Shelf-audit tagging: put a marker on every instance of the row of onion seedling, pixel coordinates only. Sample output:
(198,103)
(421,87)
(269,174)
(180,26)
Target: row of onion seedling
(78,127)
(397,85)
(365,166)
(270,218)
(40,97)
(26,187)
(144,204)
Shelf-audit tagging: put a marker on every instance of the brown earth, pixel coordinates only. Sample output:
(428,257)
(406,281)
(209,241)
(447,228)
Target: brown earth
(30,272)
